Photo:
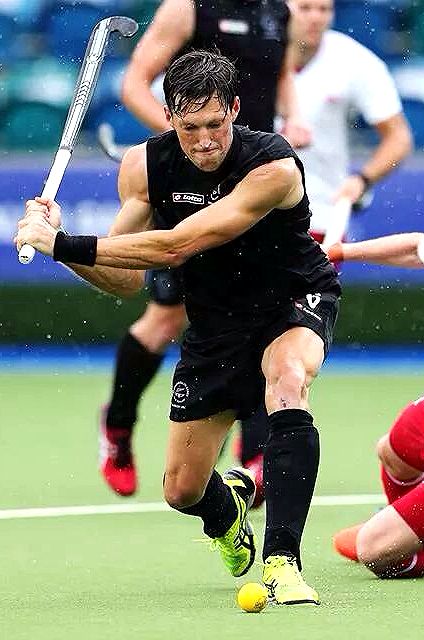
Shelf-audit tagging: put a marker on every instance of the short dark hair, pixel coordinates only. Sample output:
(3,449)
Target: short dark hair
(195,77)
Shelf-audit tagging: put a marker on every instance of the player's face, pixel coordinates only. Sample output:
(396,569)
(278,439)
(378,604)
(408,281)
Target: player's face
(310,19)
(205,135)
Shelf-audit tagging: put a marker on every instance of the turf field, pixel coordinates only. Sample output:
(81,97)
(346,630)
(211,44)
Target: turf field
(145,575)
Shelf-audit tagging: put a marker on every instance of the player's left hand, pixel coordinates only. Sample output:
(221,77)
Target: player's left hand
(36,231)
(351,188)
(297,133)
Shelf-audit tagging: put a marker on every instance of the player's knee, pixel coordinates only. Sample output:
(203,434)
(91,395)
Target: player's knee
(287,384)
(181,491)
(397,466)
(159,326)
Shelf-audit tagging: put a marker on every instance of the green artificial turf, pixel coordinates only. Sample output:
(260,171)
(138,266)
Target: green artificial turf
(146,575)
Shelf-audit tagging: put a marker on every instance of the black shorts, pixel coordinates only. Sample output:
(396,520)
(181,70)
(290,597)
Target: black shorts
(165,286)
(223,372)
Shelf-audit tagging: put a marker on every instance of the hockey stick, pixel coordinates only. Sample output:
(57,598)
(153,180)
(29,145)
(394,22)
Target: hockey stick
(81,99)
(340,223)
(106,138)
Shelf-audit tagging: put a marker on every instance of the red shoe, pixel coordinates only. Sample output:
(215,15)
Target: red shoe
(344,542)
(256,466)
(116,461)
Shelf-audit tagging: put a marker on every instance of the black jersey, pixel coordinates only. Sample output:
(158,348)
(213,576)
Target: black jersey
(268,265)
(253,34)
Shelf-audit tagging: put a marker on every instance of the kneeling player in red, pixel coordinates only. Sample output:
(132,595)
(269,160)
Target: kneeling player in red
(391,543)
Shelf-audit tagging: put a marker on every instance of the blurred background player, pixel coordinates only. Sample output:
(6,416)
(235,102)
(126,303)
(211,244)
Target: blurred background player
(335,76)
(253,32)
(391,543)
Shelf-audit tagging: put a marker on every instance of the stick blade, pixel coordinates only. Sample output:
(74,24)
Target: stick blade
(127,27)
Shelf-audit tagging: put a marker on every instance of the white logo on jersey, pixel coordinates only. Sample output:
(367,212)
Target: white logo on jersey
(191,198)
(214,195)
(313,299)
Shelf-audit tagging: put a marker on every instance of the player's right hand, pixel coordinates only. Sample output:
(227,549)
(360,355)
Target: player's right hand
(49,208)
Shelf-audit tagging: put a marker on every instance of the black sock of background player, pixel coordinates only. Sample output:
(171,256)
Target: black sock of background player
(291,461)
(217,508)
(135,367)
(254,433)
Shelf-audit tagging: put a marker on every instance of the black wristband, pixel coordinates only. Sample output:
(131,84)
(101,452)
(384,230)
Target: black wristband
(75,249)
(367,182)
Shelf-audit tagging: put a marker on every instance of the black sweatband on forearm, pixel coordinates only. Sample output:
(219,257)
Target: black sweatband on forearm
(75,249)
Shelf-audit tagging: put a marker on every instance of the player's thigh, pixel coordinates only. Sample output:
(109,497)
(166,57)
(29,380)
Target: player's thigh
(193,449)
(385,539)
(298,349)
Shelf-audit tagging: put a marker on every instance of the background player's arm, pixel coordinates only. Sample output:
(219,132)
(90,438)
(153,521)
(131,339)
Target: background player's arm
(172,26)
(395,144)
(374,95)
(277,184)
(295,129)
(401,250)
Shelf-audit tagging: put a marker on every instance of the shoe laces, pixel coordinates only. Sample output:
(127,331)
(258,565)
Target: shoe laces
(279,564)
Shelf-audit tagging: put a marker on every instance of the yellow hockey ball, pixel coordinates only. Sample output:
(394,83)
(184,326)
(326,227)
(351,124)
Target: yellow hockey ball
(252,597)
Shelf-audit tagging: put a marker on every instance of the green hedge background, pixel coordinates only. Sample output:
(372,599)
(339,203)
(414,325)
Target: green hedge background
(80,314)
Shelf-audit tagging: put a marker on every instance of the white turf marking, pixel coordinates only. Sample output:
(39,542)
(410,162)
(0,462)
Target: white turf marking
(157,507)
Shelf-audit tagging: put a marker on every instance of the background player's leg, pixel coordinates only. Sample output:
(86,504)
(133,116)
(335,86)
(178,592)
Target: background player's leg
(249,449)
(390,543)
(139,356)
(401,452)
(291,457)
(138,359)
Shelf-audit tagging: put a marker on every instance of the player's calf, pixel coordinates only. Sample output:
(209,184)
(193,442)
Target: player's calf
(387,543)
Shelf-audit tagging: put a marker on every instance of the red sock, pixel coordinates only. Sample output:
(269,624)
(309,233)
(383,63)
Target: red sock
(394,488)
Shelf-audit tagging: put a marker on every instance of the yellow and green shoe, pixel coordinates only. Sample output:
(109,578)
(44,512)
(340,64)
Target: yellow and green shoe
(237,547)
(284,582)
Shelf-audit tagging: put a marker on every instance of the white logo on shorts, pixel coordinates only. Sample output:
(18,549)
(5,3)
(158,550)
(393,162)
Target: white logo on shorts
(180,394)
(313,299)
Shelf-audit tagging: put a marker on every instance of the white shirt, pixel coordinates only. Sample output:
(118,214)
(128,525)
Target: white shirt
(343,75)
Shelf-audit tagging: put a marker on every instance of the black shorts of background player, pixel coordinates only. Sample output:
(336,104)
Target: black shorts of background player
(261,298)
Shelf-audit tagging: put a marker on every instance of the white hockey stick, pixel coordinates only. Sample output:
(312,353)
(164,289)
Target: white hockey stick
(340,222)
(81,99)
(106,138)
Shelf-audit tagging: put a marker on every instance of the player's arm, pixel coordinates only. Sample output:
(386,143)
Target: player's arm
(40,226)
(401,250)
(374,95)
(277,184)
(172,26)
(295,129)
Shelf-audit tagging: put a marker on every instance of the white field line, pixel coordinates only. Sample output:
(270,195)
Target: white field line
(157,507)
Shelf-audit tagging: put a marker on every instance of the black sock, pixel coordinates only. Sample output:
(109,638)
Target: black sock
(217,508)
(291,460)
(254,433)
(135,367)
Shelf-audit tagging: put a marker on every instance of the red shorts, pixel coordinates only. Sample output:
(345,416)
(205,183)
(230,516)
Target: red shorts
(406,436)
